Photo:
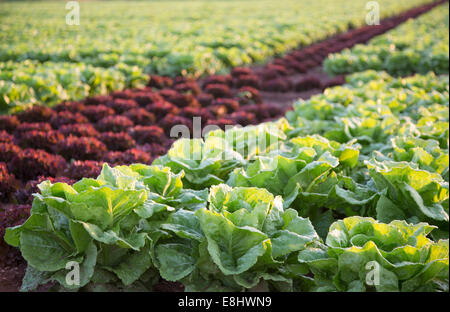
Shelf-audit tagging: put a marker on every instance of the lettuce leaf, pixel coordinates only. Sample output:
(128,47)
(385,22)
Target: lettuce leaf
(362,254)
(236,243)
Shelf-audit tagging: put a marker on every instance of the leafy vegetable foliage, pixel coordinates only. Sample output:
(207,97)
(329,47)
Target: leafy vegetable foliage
(354,180)
(103,224)
(362,254)
(418,46)
(244,239)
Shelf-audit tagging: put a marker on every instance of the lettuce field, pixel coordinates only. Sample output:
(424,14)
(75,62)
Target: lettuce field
(224,146)
(115,46)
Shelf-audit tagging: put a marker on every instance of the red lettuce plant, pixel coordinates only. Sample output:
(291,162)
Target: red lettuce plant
(12,215)
(310,63)
(160,82)
(8,151)
(7,182)
(83,148)
(80,130)
(114,124)
(181,79)
(240,71)
(162,108)
(218,90)
(148,134)
(124,94)
(191,112)
(171,120)
(188,87)
(30,163)
(67,118)
(272,110)
(9,123)
(72,107)
(243,118)
(230,104)
(298,55)
(140,116)
(25,195)
(119,141)
(293,65)
(218,110)
(79,169)
(41,140)
(5,137)
(96,113)
(36,114)
(130,156)
(249,95)
(279,67)
(263,112)
(10,257)
(146,98)
(34,126)
(178,99)
(247,81)
(205,99)
(218,79)
(122,105)
(156,149)
(98,100)
(297,67)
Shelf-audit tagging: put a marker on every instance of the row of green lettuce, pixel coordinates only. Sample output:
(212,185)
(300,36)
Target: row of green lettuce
(29,83)
(418,46)
(116,45)
(349,192)
(205,37)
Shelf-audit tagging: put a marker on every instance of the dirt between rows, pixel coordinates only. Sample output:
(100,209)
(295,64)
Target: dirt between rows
(286,99)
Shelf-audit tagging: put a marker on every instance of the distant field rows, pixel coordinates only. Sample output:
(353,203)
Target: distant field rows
(118,43)
(418,46)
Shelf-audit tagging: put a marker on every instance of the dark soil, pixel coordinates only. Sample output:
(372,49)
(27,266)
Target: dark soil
(165,286)
(286,99)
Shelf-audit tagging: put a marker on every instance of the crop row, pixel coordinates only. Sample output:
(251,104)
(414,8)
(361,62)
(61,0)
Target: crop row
(355,176)
(71,139)
(30,83)
(374,125)
(418,46)
(218,30)
(280,74)
(74,62)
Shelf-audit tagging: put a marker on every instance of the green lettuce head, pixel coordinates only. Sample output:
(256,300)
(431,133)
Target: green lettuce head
(103,225)
(362,254)
(243,239)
